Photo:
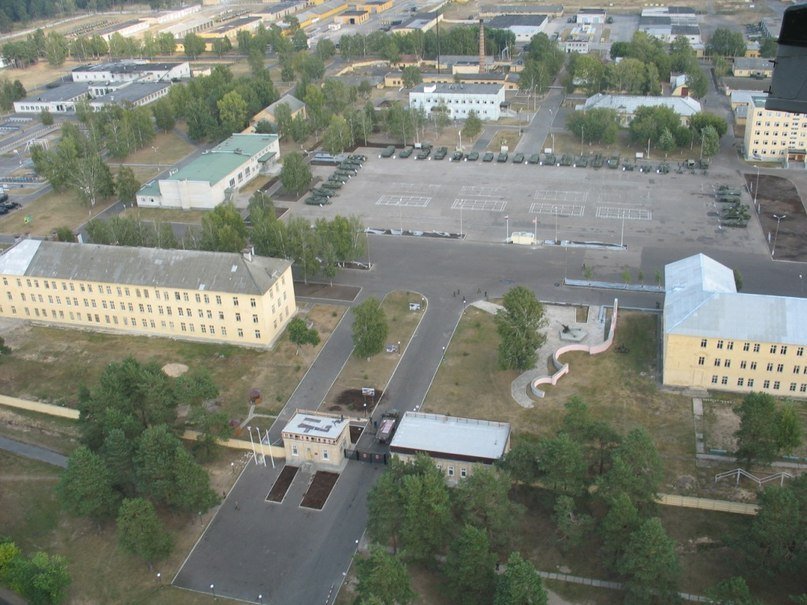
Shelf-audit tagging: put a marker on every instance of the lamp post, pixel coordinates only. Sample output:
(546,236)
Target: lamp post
(260,598)
(213,590)
(756,191)
(582,138)
(778,220)
(271,455)
(507,220)
(555,212)
(534,229)
(460,220)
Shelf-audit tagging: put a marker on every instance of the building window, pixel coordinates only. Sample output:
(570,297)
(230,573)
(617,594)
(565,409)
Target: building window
(766,384)
(750,382)
(240,333)
(769,367)
(254,319)
(773,349)
(800,350)
(237,317)
(727,363)
(714,378)
(739,382)
(221,315)
(775,385)
(701,360)
(743,364)
(746,346)
(780,367)
(223,331)
(756,348)
(218,300)
(793,386)
(326,455)
(294,451)
(235,301)
(796,369)
(450,471)
(703,343)
(730,345)
(724,380)
(463,472)
(717,362)
(753,365)
(252,302)
(783,350)
(719,344)
(803,387)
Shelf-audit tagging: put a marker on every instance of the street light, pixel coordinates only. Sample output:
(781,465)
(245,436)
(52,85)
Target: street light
(756,191)
(507,219)
(534,229)
(213,590)
(778,220)
(555,212)
(254,455)
(260,598)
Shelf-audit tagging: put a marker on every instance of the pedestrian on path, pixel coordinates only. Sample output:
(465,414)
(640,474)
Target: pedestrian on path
(236,505)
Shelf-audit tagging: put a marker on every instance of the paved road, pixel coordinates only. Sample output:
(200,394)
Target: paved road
(34,452)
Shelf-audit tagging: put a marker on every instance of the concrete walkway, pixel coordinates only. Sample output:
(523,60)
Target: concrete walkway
(563,577)
(34,452)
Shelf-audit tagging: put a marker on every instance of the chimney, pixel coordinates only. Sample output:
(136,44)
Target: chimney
(481,46)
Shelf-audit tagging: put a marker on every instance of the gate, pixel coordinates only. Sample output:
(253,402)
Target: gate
(367,456)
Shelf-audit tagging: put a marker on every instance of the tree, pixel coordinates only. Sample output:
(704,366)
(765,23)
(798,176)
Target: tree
(710,141)
(768,47)
(788,428)
(221,46)
(726,43)
(411,76)
(232,113)
(596,437)
(520,584)
(572,526)
(483,500)
(636,470)
(472,126)
(733,591)
(621,520)
(223,229)
(299,41)
(325,49)
(126,185)
(194,45)
(649,565)
(65,234)
(650,122)
(338,136)
(116,452)
(562,465)
(213,427)
(777,540)
(369,328)
(469,567)
(46,117)
(764,431)
(192,492)
(56,48)
(517,325)
(300,334)
(384,577)
(141,533)
(295,174)
(594,125)
(42,579)
(703,119)
(426,515)
(10,92)
(85,487)
(666,141)
(522,461)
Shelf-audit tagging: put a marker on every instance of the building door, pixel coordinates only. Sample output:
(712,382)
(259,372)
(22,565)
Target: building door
(308,454)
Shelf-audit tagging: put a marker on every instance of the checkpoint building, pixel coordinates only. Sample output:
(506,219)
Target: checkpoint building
(317,438)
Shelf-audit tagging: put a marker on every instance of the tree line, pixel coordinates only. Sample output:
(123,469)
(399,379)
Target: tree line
(131,461)
(42,579)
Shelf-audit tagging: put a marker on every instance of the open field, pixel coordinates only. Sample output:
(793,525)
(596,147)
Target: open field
(30,515)
(49,212)
(377,370)
(166,148)
(49,364)
(165,215)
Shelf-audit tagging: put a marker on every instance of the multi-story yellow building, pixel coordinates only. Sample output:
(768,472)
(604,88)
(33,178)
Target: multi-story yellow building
(774,135)
(185,294)
(717,338)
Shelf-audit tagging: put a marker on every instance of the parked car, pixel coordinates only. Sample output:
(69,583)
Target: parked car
(518,158)
(441,153)
(405,152)
(423,153)
(502,157)
(388,152)
(456,156)
(535,158)
(472,157)
(549,160)
(488,157)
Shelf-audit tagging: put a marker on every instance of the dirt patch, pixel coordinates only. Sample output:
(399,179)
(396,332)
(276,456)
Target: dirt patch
(720,424)
(355,433)
(315,290)
(778,196)
(282,484)
(352,399)
(174,369)
(319,490)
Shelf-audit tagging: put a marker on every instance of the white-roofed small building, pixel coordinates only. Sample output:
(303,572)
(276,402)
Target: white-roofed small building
(457,445)
(459,99)
(317,438)
(717,338)
(626,105)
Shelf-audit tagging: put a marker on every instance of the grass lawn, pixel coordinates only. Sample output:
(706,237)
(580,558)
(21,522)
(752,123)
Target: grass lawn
(568,143)
(55,433)
(376,371)
(505,136)
(167,148)
(619,388)
(49,364)
(165,215)
(50,211)
(30,515)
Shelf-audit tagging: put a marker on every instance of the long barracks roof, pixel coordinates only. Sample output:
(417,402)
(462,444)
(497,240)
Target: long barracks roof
(223,158)
(459,89)
(449,435)
(683,106)
(154,267)
(506,21)
(701,300)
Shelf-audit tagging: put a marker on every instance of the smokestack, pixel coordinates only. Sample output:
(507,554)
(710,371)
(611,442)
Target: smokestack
(481,46)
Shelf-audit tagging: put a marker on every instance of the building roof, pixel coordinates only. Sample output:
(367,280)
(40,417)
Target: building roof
(126,67)
(214,165)
(683,106)
(132,92)
(68,91)
(293,102)
(746,96)
(232,24)
(353,13)
(450,435)
(685,30)
(507,21)
(701,300)
(591,11)
(155,267)
(312,424)
(509,9)
(459,89)
(655,20)
(752,63)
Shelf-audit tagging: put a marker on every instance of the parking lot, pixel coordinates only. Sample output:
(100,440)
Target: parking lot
(489,201)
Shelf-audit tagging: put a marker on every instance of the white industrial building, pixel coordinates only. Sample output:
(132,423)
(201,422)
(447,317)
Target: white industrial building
(459,99)
(591,16)
(668,22)
(205,182)
(124,71)
(62,99)
(626,105)
(523,27)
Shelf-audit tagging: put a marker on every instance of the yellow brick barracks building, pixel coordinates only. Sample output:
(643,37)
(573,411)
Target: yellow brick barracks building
(185,294)
(719,339)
